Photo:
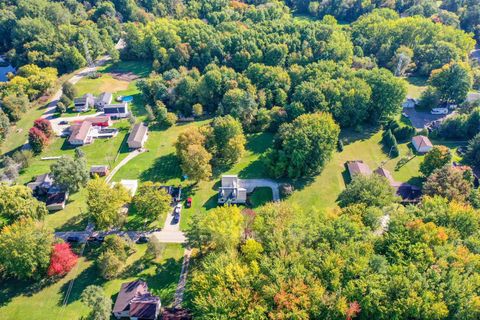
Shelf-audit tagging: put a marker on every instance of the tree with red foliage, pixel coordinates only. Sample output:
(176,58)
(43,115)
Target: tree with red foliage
(62,260)
(353,310)
(37,139)
(45,126)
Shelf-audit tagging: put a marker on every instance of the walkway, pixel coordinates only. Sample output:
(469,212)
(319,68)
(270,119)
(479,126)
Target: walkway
(251,184)
(129,157)
(177,302)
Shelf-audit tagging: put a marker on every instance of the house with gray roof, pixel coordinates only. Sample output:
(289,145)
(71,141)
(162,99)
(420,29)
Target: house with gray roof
(116,111)
(134,301)
(84,103)
(138,136)
(105,98)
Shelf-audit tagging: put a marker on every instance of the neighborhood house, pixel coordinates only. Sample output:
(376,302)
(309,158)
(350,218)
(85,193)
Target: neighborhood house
(138,136)
(231,191)
(44,189)
(134,301)
(102,100)
(84,103)
(422,144)
(83,132)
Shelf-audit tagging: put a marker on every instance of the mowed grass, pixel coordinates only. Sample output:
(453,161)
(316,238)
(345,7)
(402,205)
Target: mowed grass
(322,191)
(27,301)
(416,86)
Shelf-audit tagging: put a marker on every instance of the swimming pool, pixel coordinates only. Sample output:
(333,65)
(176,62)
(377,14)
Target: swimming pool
(127,99)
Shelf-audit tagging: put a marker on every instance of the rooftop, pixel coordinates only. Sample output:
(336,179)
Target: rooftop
(358,167)
(128,291)
(138,132)
(422,141)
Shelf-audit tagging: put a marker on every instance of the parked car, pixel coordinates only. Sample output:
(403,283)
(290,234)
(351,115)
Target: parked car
(63,122)
(73,239)
(176,218)
(439,111)
(189,203)
(142,239)
(177,209)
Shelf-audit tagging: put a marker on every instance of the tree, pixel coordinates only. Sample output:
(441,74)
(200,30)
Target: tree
(62,260)
(69,90)
(452,82)
(195,162)
(220,228)
(99,303)
(436,158)
(61,108)
(303,146)
(45,126)
(151,201)
(104,203)
(227,140)
(14,106)
(4,126)
(70,173)
(113,258)
(37,140)
(17,202)
(25,248)
(197,110)
(373,191)
(472,156)
(449,183)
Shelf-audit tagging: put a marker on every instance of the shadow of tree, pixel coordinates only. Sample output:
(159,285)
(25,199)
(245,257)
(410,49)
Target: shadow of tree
(12,288)
(78,222)
(259,142)
(165,168)
(89,276)
(349,135)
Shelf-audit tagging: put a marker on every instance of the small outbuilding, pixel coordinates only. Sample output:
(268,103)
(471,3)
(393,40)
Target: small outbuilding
(100,171)
(422,144)
(138,136)
(56,201)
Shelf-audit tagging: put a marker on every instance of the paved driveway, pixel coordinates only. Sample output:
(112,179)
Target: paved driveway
(251,184)
(420,119)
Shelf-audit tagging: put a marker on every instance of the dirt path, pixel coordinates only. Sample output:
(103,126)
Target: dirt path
(177,303)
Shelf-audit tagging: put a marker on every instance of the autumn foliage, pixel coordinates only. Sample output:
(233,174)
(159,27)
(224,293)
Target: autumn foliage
(37,139)
(45,126)
(62,260)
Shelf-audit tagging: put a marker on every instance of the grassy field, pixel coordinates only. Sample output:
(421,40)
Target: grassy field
(42,302)
(416,86)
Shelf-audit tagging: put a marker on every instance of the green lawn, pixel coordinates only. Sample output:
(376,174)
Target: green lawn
(416,86)
(42,302)
(260,196)
(322,191)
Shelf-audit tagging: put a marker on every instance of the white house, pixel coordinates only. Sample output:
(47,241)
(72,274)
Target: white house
(422,144)
(84,103)
(138,136)
(231,190)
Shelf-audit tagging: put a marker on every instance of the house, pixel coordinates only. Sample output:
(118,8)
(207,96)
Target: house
(358,167)
(130,185)
(85,131)
(116,111)
(410,103)
(231,190)
(81,133)
(100,171)
(176,314)
(422,144)
(407,192)
(102,100)
(56,201)
(84,103)
(41,185)
(384,173)
(138,136)
(134,301)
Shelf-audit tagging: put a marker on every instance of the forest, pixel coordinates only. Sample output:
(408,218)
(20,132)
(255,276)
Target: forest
(303,71)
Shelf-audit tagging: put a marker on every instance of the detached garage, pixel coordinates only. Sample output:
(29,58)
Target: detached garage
(138,136)
(422,144)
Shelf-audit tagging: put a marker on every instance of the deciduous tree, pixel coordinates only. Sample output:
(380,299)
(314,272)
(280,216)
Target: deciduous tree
(62,260)
(436,158)
(70,173)
(151,201)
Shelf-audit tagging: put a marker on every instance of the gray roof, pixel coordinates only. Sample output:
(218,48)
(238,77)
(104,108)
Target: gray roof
(138,133)
(83,99)
(128,292)
(115,108)
(105,97)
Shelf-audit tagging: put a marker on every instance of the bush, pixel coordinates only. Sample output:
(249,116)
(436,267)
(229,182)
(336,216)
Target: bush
(404,134)
(61,108)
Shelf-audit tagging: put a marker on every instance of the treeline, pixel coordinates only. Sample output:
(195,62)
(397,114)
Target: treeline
(456,13)
(60,34)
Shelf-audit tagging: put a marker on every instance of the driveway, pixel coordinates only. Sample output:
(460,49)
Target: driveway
(420,119)
(251,184)
(129,157)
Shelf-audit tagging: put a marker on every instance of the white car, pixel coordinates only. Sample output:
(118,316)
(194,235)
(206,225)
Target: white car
(439,111)
(177,209)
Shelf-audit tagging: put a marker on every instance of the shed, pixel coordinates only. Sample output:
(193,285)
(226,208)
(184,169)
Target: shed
(138,136)
(56,201)
(422,144)
(100,171)
(358,167)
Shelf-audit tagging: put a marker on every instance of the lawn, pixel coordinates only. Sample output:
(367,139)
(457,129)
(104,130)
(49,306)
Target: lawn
(27,301)
(322,191)
(416,86)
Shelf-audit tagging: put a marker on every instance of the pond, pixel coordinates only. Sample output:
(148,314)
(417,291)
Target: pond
(4,70)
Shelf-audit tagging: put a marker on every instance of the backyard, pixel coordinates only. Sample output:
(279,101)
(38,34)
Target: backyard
(56,301)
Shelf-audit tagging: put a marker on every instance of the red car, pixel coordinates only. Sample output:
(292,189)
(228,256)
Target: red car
(189,202)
